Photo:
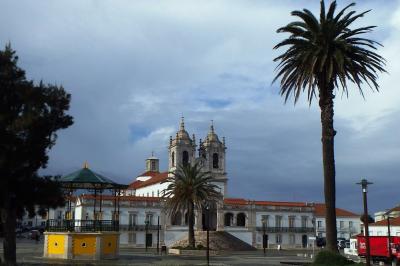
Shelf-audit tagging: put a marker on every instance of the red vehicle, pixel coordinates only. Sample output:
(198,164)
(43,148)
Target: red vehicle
(378,246)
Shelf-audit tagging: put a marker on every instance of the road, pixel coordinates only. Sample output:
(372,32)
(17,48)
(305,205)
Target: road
(30,253)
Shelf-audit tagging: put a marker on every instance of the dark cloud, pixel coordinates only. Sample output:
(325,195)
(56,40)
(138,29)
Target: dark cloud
(135,68)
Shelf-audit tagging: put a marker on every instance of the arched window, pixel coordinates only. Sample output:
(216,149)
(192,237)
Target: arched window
(228,219)
(173,159)
(176,219)
(215,160)
(241,219)
(185,158)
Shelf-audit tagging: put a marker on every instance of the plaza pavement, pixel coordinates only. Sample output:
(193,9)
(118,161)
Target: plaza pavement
(30,253)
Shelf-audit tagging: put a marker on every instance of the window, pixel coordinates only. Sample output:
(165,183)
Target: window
(152,193)
(153,165)
(319,224)
(341,224)
(185,158)
(132,238)
(215,161)
(228,219)
(278,221)
(351,224)
(292,220)
(149,218)
(319,234)
(132,219)
(264,219)
(158,192)
(304,221)
(173,159)
(241,219)
(278,239)
(292,239)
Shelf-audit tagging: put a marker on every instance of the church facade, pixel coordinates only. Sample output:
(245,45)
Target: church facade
(144,218)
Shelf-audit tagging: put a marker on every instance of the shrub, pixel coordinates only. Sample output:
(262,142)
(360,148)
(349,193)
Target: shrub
(330,258)
(200,246)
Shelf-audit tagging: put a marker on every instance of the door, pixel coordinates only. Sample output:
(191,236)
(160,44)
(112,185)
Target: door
(265,241)
(304,241)
(149,240)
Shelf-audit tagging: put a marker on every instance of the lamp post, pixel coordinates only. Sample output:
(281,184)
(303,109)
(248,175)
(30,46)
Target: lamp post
(364,184)
(264,223)
(146,227)
(208,232)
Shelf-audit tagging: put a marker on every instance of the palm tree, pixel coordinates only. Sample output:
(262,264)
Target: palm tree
(323,55)
(189,188)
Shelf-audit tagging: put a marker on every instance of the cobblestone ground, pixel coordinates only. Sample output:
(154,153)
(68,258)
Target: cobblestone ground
(30,253)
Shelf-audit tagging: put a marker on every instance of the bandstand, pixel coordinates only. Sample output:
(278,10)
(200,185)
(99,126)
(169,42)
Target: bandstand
(93,239)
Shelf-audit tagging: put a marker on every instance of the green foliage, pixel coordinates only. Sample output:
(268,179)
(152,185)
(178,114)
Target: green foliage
(330,258)
(189,185)
(30,115)
(198,247)
(187,189)
(326,51)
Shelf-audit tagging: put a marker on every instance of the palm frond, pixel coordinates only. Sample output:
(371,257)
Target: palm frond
(326,52)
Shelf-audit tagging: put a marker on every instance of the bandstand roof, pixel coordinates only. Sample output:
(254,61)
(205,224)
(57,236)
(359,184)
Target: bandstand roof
(88,179)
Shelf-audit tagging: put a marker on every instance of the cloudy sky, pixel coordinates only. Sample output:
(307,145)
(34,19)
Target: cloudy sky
(135,67)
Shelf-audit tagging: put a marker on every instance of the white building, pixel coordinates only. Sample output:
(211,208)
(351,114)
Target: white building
(380,228)
(348,223)
(289,224)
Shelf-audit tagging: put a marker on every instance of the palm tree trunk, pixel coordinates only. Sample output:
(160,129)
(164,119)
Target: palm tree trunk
(9,217)
(328,155)
(191,224)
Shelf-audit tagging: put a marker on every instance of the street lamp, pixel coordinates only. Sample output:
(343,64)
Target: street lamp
(364,184)
(207,220)
(264,223)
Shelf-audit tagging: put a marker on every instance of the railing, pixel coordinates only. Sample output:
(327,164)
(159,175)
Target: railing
(286,229)
(53,225)
(139,227)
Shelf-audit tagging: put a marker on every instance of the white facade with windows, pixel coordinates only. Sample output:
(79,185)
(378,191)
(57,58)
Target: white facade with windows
(288,224)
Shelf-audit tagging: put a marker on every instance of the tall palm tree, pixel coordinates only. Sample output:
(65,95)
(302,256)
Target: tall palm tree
(189,188)
(323,55)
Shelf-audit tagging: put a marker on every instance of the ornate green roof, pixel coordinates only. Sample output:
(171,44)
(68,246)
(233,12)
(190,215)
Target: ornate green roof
(87,179)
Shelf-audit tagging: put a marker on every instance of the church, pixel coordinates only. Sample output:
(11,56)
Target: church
(144,220)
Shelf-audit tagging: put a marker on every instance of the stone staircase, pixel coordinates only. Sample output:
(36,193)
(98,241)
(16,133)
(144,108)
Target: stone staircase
(219,240)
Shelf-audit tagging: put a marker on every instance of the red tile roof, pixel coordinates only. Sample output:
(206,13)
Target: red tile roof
(393,221)
(155,177)
(240,201)
(281,203)
(320,210)
(121,198)
(395,209)
(235,201)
